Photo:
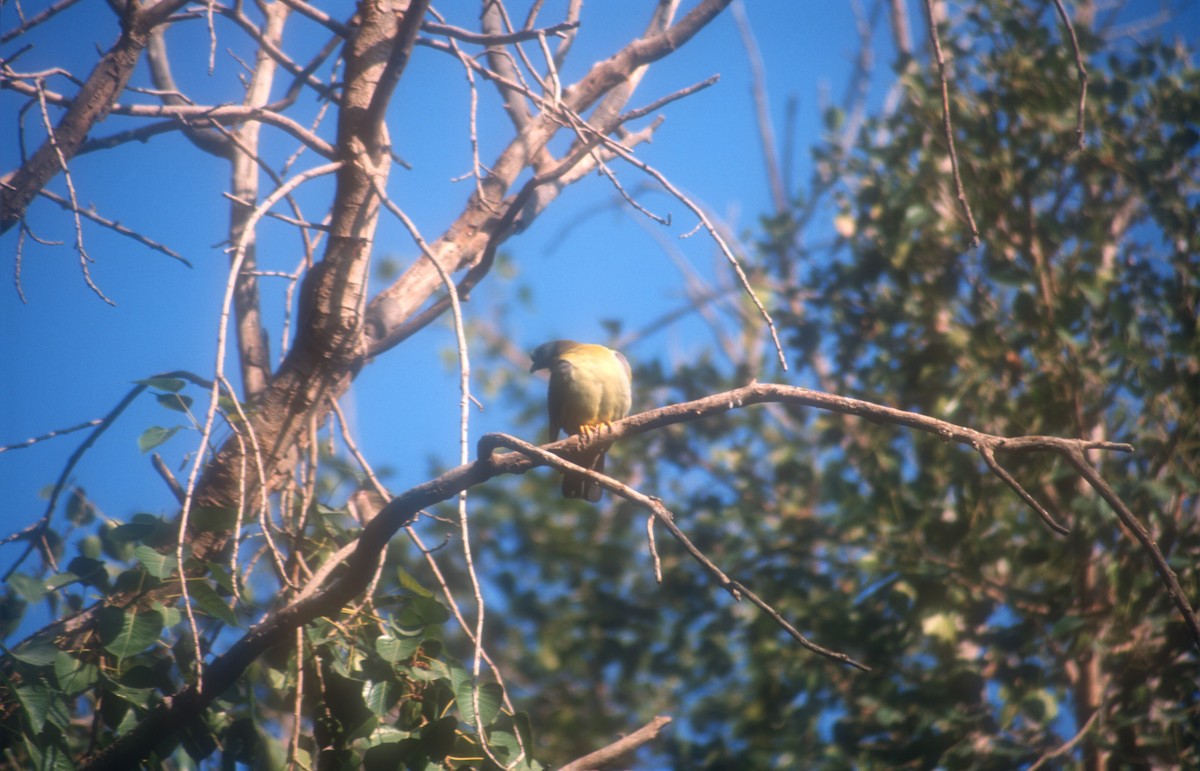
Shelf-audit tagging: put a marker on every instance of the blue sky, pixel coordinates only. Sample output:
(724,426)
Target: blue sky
(70,356)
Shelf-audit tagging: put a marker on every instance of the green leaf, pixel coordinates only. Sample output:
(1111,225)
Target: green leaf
(38,653)
(504,745)
(80,510)
(490,695)
(421,612)
(391,753)
(90,546)
(129,631)
(175,402)
(157,564)
(210,602)
(437,738)
(220,574)
(27,587)
(154,436)
(90,571)
(36,702)
(171,384)
(143,527)
(74,676)
(410,583)
(377,695)
(395,649)
(61,580)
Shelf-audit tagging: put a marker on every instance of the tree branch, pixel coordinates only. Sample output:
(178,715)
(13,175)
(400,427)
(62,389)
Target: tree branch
(620,748)
(92,105)
(359,567)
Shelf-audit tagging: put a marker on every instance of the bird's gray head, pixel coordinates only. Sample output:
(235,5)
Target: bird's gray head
(544,355)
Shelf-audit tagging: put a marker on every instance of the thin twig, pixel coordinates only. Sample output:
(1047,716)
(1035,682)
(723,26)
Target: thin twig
(762,112)
(517,36)
(239,256)
(1083,77)
(39,529)
(653,549)
(618,749)
(49,435)
(36,19)
(658,104)
(115,226)
(169,478)
(1069,745)
(736,589)
(84,259)
(464,384)
(707,224)
(612,178)
(447,592)
(947,127)
(989,457)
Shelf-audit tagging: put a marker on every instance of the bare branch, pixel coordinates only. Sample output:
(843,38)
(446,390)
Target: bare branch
(38,18)
(49,435)
(517,36)
(989,457)
(619,748)
(901,36)
(197,115)
(762,114)
(89,107)
(1174,590)
(947,127)
(662,102)
(320,17)
(1083,76)
(115,226)
(406,36)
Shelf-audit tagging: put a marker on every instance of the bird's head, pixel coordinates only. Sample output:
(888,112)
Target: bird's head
(545,354)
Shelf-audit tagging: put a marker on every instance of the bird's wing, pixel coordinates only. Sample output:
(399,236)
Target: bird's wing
(624,363)
(554,403)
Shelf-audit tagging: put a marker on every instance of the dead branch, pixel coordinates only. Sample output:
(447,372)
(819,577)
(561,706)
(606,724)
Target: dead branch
(467,36)
(661,514)
(620,748)
(1082,73)
(89,107)
(115,226)
(947,127)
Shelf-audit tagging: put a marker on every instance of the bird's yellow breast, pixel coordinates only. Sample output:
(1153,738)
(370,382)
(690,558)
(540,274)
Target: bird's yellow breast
(593,387)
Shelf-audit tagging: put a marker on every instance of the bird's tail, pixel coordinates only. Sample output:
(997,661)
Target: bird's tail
(581,486)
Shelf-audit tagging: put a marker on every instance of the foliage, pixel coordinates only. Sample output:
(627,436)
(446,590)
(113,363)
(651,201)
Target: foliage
(992,641)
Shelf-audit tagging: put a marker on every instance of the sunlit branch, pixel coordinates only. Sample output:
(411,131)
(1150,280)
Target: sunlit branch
(947,127)
(1082,72)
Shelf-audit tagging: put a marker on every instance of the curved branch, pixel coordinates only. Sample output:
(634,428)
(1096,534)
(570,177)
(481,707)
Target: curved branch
(192,115)
(736,589)
(358,568)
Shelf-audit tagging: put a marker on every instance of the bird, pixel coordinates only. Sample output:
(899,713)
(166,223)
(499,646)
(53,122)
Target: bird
(590,387)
